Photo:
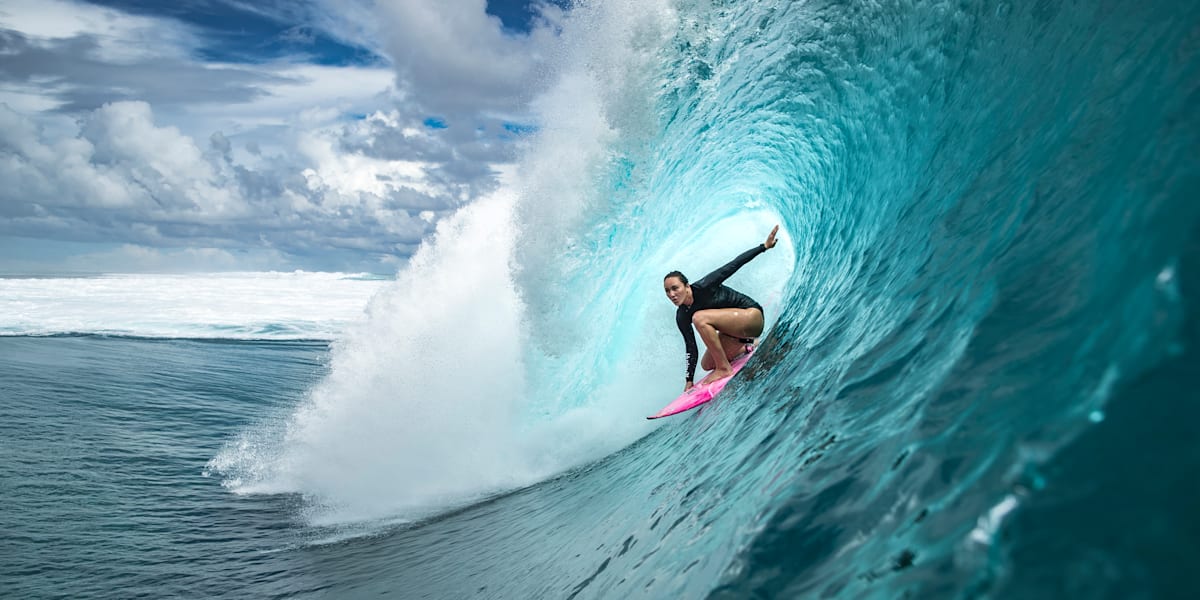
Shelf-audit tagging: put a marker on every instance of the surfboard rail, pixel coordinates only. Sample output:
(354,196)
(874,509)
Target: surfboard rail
(701,394)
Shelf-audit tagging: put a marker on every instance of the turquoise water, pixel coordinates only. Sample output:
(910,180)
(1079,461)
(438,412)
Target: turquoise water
(105,440)
(978,381)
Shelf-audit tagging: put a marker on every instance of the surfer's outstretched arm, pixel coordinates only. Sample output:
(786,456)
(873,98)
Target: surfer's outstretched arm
(720,275)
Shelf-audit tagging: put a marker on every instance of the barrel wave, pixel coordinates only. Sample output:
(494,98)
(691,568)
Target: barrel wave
(991,219)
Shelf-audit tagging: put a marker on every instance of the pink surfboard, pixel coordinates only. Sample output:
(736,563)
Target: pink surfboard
(699,394)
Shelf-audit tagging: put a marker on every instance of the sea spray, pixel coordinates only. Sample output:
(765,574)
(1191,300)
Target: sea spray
(531,335)
(418,409)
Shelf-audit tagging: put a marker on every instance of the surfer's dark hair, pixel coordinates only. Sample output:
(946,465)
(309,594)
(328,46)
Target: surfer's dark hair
(681,276)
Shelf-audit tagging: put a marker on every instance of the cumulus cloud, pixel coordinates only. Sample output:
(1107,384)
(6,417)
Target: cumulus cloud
(454,58)
(123,177)
(114,130)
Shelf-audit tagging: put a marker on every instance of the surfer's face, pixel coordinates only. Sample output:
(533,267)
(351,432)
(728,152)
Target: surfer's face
(677,291)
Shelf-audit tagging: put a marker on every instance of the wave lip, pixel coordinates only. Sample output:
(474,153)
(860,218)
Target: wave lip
(240,306)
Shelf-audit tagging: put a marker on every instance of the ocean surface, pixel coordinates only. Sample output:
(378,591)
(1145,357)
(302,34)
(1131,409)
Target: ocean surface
(979,378)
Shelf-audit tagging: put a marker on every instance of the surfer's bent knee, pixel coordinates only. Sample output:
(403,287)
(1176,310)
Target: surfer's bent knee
(760,323)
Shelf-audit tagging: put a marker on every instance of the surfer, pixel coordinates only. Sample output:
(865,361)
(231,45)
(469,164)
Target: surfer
(727,319)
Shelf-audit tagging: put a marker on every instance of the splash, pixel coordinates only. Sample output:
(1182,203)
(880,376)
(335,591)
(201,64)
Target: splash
(530,335)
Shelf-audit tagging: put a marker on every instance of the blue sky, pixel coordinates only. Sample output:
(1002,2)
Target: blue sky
(232,135)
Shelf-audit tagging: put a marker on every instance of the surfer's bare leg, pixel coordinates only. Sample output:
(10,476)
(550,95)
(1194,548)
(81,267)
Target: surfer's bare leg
(710,324)
(733,347)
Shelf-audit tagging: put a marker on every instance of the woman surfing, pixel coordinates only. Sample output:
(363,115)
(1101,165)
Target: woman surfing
(726,319)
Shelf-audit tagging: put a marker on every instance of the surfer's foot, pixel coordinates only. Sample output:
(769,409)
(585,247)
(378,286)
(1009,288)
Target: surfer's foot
(716,374)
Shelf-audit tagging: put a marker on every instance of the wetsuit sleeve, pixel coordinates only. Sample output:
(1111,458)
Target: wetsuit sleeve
(720,275)
(689,341)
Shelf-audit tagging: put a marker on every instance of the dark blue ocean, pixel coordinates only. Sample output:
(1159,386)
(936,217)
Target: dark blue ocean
(979,381)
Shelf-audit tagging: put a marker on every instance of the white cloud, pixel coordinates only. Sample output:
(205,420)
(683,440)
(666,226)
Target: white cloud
(27,98)
(350,173)
(111,130)
(451,57)
(123,177)
(307,95)
(120,160)
(119,37)
(142,259)
(168,167)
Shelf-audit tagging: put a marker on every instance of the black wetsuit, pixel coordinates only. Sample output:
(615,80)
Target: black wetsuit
(709,293)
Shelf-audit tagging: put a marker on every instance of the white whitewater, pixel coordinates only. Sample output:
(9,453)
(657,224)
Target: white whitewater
(268,306)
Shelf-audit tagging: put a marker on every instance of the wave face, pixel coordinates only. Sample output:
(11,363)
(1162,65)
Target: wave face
(984,207)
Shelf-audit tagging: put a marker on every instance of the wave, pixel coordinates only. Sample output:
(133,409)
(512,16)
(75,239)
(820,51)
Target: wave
(984,208)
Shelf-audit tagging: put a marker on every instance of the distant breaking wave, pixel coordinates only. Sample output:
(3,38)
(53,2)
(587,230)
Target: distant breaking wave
(234,306)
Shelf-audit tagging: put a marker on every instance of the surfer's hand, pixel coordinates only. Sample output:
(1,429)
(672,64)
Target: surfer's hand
(770,243)
(687,385)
